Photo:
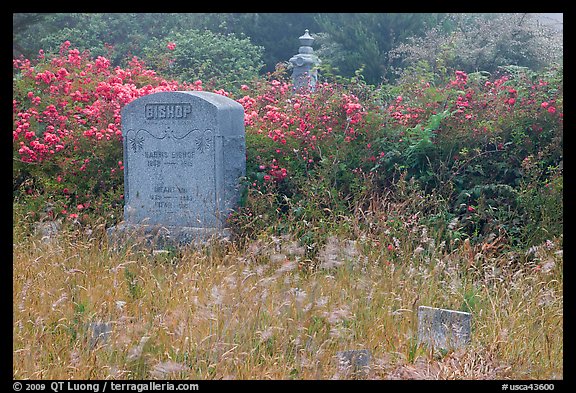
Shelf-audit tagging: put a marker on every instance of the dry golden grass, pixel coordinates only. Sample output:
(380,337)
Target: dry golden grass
(262,312)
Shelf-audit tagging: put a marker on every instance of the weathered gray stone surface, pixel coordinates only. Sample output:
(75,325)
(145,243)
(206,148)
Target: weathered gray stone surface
(184,153)
(47,230)
(100,332)
(304,65)
(354,363)
(443,329)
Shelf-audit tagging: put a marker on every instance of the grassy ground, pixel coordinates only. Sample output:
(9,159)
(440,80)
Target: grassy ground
(262,311)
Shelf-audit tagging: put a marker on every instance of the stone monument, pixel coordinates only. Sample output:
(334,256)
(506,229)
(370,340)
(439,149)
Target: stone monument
(304,72)
(184,154)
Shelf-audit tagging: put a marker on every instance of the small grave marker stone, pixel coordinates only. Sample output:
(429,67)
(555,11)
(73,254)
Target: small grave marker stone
(443,329)
(355,362)
(100,333)
(184,153)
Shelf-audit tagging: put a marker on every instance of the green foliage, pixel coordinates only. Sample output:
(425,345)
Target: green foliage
(263,29)
(118,36)
(463,161)
(385,44)
(483,42)
(352,39)
(541,198)
(67,149)
(222,61)
(474,155)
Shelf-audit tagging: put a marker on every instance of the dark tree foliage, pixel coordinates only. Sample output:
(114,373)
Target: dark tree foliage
(366,38)
(122,35)
(379,44)
(20,24)
(277,32)
(484,42)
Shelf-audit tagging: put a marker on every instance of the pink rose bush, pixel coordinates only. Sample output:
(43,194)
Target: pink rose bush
(67,128)
(309,156)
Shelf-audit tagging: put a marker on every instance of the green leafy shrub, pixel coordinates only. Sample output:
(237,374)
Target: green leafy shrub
(219,60)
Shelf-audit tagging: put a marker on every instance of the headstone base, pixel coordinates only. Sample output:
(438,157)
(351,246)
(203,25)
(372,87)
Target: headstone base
(160,236)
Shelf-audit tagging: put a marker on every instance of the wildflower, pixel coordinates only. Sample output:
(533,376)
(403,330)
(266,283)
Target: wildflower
(471,209)
(461,74)
(544,105)
(552,110)
(330,255)
(299,295)
(171,46)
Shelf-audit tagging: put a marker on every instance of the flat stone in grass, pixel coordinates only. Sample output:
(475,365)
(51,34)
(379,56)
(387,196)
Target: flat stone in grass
(184,154)
(443,329)
(47,230)
(355,362)
(100,332)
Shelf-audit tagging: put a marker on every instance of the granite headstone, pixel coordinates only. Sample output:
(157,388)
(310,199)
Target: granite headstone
(184,153)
